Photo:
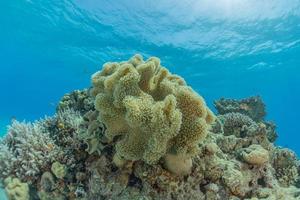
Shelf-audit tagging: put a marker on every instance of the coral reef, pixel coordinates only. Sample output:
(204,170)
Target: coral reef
(252,107)
(141,133)
(52,145)
(77,100)
(94,136)
(286,166)
(27,150)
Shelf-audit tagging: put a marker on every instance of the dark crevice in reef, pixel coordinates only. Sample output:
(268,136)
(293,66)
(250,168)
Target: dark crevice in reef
(135,182)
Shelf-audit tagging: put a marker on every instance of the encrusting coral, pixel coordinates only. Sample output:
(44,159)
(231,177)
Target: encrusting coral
(154,111)
(141,133)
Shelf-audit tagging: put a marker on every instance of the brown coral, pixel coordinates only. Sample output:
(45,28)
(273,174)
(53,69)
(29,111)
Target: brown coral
(153,110)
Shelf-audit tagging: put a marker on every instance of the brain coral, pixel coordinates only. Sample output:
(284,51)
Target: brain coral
(152,111)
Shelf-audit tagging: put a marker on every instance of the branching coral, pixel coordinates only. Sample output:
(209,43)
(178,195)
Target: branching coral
(78,100)
(27,149)
(64,128)
(238,124)
(153,110)
(30,149)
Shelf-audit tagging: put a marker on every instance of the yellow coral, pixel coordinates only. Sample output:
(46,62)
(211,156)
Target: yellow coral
(178,164)
(15,189)
(58,169)
(153,111)
(255,155)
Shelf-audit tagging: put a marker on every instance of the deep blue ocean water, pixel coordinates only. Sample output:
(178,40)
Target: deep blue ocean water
(224,48)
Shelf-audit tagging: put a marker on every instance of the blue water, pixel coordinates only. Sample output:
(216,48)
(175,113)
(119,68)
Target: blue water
(224,48)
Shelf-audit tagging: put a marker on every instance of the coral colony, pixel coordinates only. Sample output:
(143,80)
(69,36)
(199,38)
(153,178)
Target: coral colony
(142,133)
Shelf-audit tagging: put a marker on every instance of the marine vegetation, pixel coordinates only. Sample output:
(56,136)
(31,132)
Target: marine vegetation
(140,132)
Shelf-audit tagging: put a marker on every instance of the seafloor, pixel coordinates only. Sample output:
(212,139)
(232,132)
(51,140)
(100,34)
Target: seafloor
(141,133)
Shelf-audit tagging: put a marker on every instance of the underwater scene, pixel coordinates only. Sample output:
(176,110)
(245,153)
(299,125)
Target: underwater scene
(149,100)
